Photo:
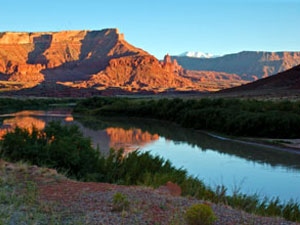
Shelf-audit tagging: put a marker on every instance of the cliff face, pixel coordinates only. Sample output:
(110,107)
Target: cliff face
(85,52)
(248,65)
(85,63)
(81,59)
(139,71)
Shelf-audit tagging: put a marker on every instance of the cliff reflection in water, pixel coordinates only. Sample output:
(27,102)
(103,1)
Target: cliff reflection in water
(129,140)
(28,119)
(131,134)
(263,169)
(24,122)
(110,137)
(177,134)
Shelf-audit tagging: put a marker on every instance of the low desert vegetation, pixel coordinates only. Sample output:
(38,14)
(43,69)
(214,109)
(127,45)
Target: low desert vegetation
(66,149)
(200,214)
(20,203)
(120,202)
(252,118)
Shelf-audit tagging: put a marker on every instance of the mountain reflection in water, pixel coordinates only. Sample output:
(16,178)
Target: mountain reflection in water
(216,161)
(26,120)
(129,140)
(111,137)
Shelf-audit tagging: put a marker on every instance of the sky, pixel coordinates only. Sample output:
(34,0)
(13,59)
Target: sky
(168,26)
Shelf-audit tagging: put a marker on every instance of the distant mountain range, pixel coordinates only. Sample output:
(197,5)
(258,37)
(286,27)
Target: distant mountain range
(198,55)
(249,65)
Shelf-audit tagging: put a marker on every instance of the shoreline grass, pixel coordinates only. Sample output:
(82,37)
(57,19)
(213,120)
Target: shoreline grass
(20,202)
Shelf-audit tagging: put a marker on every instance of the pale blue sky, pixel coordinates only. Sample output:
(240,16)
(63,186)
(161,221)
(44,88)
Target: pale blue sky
(173,26)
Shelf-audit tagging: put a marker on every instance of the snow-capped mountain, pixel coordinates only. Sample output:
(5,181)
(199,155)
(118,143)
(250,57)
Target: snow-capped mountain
(198,55)
(250,65)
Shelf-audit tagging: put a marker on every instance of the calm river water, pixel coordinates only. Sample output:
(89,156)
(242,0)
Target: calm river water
(253,169)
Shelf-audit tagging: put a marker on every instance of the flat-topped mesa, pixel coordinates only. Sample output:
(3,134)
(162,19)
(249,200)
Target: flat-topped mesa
(84,59)
(54,37)
(92,49)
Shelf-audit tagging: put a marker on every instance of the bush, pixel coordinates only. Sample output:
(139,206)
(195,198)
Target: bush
(61,147)
(120,202)
(200,214)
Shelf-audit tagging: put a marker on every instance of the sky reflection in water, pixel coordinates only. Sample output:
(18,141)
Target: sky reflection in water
(235,165)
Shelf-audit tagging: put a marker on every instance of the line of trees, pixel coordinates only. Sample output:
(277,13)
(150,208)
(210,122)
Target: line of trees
(229,116)
(13,104)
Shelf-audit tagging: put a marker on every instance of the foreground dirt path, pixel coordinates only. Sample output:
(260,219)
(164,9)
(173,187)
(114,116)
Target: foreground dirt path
(93,202)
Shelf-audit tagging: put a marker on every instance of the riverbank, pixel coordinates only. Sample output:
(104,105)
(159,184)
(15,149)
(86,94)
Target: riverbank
(247,118)
(260,123)
(57,199)
(285,145)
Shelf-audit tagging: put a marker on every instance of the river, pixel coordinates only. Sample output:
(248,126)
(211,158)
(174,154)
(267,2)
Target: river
(237,166)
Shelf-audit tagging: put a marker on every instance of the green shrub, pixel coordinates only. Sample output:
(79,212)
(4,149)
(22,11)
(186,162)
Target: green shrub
(61,147)
(200,214)
(120,202)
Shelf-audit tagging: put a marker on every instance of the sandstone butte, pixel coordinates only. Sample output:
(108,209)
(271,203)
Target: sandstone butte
(84,63)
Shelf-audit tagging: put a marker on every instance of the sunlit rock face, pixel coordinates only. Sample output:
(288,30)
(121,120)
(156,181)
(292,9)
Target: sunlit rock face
(81,59)
(85,63)
(129,140)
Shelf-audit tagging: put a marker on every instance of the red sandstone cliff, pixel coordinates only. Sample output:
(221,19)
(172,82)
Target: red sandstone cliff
(68,63)
(82,59)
